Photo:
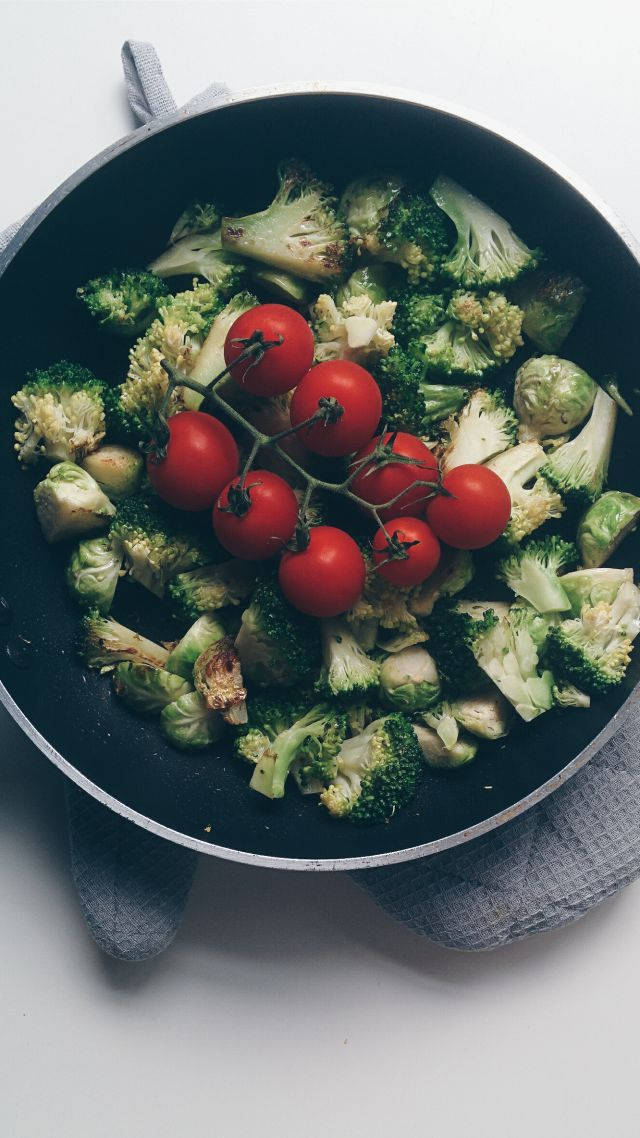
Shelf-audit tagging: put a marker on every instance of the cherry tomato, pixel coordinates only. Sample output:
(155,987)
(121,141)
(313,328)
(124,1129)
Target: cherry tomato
(282,366)
(267,524)
(478,512)
(423,552)
(357,392)
(327,577)
(383,483)
(201,458)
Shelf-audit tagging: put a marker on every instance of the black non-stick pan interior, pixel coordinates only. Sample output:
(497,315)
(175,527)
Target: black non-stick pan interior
(119,215)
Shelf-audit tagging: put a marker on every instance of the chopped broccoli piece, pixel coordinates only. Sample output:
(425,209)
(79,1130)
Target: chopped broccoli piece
(436,754)
(578,469)
(383,602)
(533,501)
(69,502)
(147,690)
(156,542)
(568,695)
(202,634)
(199,217)
(118,470)
(486,715)
(358,330)
(188,724)
(286,735)
(124,302)
(476,334)
(453,573)
(532,571)
(62,414)
(409,680)
(551,302)
(508,654)
(590,586)
(487,251)
(485,427)
(299,232)
(378,772)
(364,205)
(102,642)
(210,588)
(551,396)
(93,573)
(218,677)
(201,255)
(347,672)
(605,525)
(453,631)
(492,318)
(455,350)
(409,401)
(210,360)
(276,643)
(593,650)
(417,314)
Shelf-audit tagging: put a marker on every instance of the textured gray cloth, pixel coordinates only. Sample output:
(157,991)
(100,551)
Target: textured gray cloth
(543,870)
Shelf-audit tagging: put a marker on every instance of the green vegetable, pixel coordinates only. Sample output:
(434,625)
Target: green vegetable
(436,754)
(533,501)
(532,571)
(409,680)
(210,588)
(378,772)
(124,302)
(551,302)
(486,715)
(409,401)
(487,251)
(69,502)
(156,542)
(188,724)
(210,360)
(286,735)
(418,313)
(358,330)
(605,525)
(551,396)
(347,671)
(147,690)
(218,678)
(568,695)
(62,414)
(383,602)
(93,572)
(102,642)
(199,217)
(117,469)
(299,232)
(201,254)
(276,643)
(593,650)
(281,286)
(484,427)
(443,722)
(453,629)
(205,632)
(508,655)
(377,282)
(477,334)
(578,469)
(590,586)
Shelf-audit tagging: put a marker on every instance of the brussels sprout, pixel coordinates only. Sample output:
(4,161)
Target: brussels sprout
(188,724)
(486,715)
(205,632)
(282,286)
(435,754)
(605,525)
(145,689)
(93,572)
(551,303)
(594,586)
(409,680)
(118,470)
(69,502)
(551,397)
(377,282)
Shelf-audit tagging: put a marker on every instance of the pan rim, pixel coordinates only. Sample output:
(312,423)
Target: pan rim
(406,96)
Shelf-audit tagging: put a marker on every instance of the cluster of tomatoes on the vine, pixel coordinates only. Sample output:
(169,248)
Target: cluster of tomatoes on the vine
(255,513)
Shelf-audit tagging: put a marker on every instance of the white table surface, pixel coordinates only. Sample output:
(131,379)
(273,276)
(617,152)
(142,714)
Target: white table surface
(290,1005)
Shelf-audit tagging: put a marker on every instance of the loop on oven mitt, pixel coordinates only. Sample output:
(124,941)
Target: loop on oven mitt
(133,886)
(147,89)
(544,869)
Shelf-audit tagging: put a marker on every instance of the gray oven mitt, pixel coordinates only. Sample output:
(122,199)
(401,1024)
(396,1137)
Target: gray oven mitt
(545,869)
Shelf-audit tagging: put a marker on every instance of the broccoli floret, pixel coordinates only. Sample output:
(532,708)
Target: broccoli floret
(177,335)
(377,772)
(551,302)
(591,586)
(188,724)
(487,251)
(509,656)
(347,671)
(69,502)
(62,414)
(593,650)
(578,469)
(201,255)
(605,525)
(568,695)
(532,571)
(299,232)
(477,334)
(358,330)
(102,642)
(205,631)
(93,573)
(486,426)
(418,313)
(365,204)
(409,680)
(551,396)
(453,630)
(454,350)
(156,542)
(210,588)
(486,715)
(409,401)
(276,643)
(533,500)
(285,735)
(124,302)
(199,217)
(383,602)
(218,677)
(147,690)
(118,470)
(454,572)
(210,360)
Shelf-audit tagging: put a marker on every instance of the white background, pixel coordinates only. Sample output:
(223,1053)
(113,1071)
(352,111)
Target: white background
(290,1005)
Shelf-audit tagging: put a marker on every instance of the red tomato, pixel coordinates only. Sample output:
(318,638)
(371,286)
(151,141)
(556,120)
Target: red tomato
(327,577)
(422,557)
(383,483)
(201,458)
(282,366)
(268,523)
(357,392)
(478,512)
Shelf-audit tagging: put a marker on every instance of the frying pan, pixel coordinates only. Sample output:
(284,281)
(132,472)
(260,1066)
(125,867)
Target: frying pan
(117,210)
